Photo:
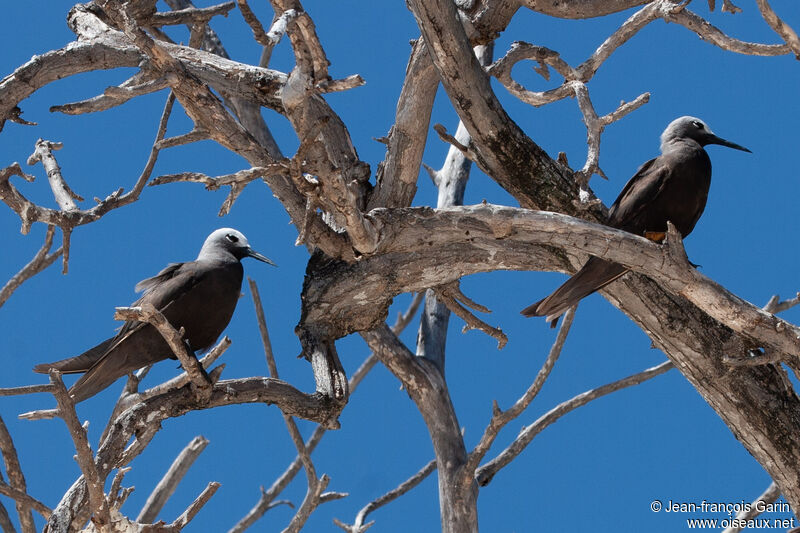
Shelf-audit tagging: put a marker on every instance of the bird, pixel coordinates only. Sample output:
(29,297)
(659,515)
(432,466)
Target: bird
(199,296)
(671,187)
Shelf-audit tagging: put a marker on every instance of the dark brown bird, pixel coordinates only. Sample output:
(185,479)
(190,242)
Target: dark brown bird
(198,295)
(672,187)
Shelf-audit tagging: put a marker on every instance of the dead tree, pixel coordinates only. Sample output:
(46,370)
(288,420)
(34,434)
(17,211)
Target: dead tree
(367,245)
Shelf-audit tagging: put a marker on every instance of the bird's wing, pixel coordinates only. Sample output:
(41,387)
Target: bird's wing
(638,193)
(169,272)
(161,291)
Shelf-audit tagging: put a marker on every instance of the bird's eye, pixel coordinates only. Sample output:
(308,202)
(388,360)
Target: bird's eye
(231,237)
(697,124)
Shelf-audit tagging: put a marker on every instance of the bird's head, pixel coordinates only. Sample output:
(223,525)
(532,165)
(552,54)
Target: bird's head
(695,129)
(229,241)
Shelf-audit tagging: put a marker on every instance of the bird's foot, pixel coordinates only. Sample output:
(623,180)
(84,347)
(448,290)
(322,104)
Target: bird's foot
(655,236)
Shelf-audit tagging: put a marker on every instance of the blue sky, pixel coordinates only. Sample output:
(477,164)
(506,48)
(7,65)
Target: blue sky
(599,467)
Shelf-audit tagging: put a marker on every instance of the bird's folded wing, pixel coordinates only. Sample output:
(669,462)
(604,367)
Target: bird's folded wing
(638,194)
(161,291)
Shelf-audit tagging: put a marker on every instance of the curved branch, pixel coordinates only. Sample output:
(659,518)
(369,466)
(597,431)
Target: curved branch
(780,27)
(485,473)
(696,333)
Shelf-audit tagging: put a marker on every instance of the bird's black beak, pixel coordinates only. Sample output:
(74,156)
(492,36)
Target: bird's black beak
(713,139)
(255,255)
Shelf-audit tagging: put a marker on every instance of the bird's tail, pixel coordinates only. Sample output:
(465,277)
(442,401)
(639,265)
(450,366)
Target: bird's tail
(79,363)
(595,274)
(100,376)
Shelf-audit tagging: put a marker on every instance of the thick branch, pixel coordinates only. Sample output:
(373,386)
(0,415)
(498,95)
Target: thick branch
(447,244)
(396,177)
(580,9)
(427,388)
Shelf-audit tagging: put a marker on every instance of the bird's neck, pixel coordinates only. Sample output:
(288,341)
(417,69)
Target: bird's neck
(680,143)
(216,256)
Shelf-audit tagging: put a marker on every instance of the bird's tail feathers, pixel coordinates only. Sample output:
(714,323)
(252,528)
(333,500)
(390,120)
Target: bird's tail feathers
(100,376)
(79,363)
(595,274)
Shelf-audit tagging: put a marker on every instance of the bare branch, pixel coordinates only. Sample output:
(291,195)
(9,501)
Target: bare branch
(14,115)
(40,261)
(267,500)
(501,69)
(5,521)
(595,126)
(771,494)
(310,502)
(147,313)
(139,84)
(187,138)
(24,499)
(64,195)
(143,419)
(780,27)
(262,328)
(116,499)
(359,526)
(28,389)
(452,141)
(15,476)
(280,25)
(195,506)
(485,473)
(166,487)
(276,32)
(345,84)
(294,432)
(501,418)
(131,395)
(191,15)
(450,294)
(755,358)
(714,35)
(308,50)
(259,34)
(396,177)
(237,181)
(94,482)
(315,485)
(776,305)
(68,219)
